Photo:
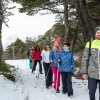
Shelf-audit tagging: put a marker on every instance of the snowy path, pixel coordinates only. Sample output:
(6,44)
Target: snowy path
(25,89)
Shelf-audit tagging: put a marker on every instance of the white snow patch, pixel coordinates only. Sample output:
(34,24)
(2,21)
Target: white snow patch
(24,88)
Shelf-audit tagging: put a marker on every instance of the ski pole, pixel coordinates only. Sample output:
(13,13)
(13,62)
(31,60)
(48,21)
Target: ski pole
(26,61)
(57,76)
(46,78)
(37,79)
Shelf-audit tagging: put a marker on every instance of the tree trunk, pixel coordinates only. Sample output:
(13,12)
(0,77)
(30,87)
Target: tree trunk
(75,38)
(67,27)
(84,19)
(1,49)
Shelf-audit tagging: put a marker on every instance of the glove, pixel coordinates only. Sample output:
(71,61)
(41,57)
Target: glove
(40,58)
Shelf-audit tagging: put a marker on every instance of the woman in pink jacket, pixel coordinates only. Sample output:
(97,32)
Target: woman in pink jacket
(54,56)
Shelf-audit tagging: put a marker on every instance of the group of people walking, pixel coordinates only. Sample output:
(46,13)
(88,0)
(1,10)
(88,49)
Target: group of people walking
(34,55)
(59,62)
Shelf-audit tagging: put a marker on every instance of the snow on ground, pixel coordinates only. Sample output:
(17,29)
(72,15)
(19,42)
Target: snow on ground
(24,88)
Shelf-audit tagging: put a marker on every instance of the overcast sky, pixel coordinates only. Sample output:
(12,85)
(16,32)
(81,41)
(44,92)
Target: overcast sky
(22,26)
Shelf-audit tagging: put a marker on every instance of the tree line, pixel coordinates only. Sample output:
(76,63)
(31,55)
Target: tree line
(75,19)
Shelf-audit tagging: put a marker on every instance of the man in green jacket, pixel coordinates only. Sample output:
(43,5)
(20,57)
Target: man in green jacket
(90,68)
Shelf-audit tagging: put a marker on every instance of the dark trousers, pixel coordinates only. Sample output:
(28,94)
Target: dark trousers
(92,85)
(48,74)
(67,83)
(35,64)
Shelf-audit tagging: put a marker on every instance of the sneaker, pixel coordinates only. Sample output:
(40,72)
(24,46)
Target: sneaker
(57,91)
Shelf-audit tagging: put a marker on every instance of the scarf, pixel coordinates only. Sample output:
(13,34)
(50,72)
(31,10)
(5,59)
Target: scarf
(66,50)
(48,49)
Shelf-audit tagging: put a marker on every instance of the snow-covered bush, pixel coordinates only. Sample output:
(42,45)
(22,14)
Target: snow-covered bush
(8,71)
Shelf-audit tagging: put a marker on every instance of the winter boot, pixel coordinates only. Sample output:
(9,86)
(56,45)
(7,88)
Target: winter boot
(64,92)
(47,87)
(41,73)
(57,91)
(71,96)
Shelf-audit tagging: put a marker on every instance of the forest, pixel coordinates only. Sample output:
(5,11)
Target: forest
(75,22)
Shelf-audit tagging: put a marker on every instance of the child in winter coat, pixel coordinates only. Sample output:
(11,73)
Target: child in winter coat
(46,64)
(37,56)
(54,56)
(67,69)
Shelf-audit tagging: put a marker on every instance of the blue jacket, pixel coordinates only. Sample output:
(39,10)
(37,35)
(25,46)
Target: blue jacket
(66,61)
(54,55)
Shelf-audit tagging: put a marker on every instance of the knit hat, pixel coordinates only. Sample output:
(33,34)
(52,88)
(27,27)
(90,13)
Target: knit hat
(97,28)
(58,41)
(47,43)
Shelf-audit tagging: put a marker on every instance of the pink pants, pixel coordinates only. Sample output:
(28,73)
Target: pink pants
(56,77)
